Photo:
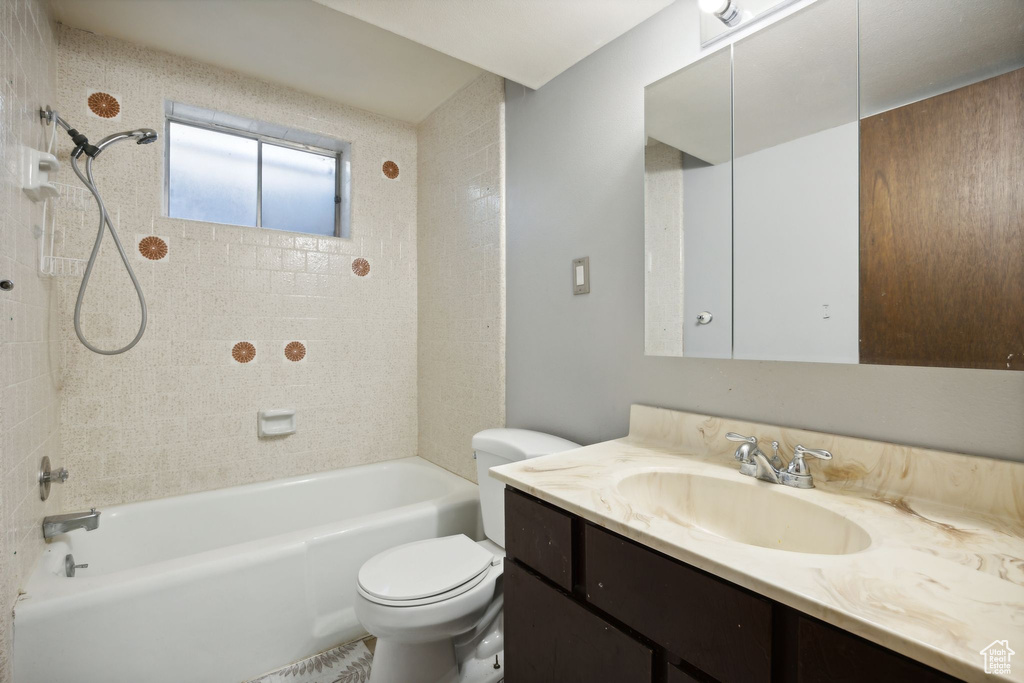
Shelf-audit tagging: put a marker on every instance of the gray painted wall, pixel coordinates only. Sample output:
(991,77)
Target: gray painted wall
(575,187)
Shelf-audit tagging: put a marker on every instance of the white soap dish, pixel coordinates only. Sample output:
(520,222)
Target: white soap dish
(275,422)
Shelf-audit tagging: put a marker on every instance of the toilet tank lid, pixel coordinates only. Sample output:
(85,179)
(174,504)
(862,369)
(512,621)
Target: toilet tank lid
(519,444)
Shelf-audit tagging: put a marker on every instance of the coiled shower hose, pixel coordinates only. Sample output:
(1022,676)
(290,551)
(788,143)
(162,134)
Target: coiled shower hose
(89,181)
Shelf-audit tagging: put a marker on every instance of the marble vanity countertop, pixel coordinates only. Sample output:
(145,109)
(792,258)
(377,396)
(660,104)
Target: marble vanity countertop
(942,578)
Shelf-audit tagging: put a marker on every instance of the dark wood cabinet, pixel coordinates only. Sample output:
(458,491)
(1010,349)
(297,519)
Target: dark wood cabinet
(677,675)
(539,536)
(552,638)
(660,598)
(830,655)
(585,604)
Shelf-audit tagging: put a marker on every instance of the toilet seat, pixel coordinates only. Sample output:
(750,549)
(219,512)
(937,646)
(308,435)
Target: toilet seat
(425,572)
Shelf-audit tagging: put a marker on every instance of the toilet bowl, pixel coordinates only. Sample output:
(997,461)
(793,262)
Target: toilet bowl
(435,606)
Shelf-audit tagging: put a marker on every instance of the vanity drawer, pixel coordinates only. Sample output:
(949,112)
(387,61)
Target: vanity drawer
(720,629)
(826,654)
(551,638)
(539,536)
(677,675)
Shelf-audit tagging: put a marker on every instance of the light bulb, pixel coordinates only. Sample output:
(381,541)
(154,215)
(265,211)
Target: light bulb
(712,6)
(727,11)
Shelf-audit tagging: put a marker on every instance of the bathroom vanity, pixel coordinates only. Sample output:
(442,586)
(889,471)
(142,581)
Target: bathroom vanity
(651,558)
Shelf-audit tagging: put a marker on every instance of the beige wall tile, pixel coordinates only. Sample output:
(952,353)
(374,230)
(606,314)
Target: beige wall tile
(29,350)
(177,414)
(461,262)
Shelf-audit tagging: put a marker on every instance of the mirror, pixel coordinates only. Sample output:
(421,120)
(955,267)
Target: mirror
(941,178)
(876,216)
(795,288)
(687,183)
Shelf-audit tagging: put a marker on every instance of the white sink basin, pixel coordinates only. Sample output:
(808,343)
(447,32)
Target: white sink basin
(752,514)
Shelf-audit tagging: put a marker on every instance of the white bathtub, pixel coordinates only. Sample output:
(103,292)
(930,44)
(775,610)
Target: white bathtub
(222,586)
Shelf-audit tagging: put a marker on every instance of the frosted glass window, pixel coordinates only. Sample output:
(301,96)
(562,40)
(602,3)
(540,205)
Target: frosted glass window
(248,179)
(212,176)
(299,188)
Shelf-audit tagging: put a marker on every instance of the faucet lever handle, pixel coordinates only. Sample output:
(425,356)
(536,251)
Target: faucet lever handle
(798,466)
(819,453)
(749,446)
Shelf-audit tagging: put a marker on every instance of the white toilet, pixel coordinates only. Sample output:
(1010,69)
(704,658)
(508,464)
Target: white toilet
(435,605)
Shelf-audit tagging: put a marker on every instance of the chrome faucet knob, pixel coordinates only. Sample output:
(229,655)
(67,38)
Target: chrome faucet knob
(798,466)
(746,451)
(70,566)
(47,477)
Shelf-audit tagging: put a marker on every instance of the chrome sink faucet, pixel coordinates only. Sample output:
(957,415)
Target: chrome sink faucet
(56,525)
(754,463)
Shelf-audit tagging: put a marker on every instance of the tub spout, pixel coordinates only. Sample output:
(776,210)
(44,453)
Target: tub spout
(56,525)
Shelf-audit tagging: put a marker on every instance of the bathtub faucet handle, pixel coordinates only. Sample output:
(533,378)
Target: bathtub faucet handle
(70,566)
(48,476)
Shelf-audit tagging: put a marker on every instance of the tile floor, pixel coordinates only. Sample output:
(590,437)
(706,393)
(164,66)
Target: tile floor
(349,663)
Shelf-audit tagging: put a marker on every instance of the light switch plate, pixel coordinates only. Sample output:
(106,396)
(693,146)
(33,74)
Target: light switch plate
(581,275)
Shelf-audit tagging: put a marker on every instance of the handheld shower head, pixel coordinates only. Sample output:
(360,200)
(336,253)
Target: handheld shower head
(142,136)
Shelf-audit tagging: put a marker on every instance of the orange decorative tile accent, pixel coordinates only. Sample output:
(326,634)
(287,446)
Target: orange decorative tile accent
(390,169)
(104,105)
(361,267)
(243,352)
(153,248)
(295,351)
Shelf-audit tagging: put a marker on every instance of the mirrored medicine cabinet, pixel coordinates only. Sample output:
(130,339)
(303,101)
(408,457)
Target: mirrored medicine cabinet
(845,185)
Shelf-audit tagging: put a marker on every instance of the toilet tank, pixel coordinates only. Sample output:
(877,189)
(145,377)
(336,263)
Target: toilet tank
(493,447)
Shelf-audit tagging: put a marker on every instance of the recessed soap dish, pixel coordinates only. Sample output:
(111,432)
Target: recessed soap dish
(275,422)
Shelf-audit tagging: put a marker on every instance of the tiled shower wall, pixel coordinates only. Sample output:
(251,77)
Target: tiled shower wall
(461,258)
(177,414)
(29,355)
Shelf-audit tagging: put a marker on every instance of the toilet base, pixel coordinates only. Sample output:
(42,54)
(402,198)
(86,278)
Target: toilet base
(482,670)
(431,663)
(447,661)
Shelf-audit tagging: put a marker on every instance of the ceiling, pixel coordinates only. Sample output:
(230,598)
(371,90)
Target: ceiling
(297,43)
(399,58)
(800,75)
(527,41)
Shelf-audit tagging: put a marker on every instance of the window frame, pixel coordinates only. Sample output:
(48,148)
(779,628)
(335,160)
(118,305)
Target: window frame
(341,188)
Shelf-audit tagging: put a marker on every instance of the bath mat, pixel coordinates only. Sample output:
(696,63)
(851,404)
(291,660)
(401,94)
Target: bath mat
(348,663)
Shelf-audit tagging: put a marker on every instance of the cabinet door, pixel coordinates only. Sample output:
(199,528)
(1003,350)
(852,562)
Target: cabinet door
(677,675)
(550,638)
(829,655)
(539,536)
